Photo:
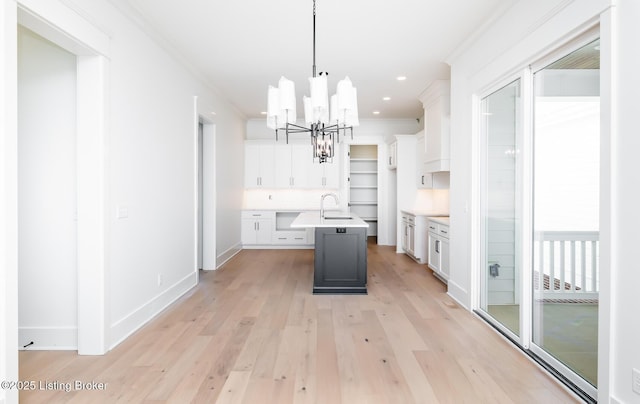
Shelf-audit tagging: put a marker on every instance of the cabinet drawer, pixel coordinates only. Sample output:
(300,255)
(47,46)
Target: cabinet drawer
(443,230)
(290,237)
(257,214)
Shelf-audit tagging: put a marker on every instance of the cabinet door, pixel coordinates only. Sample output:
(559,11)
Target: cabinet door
(420,246)
(248,231)
(444,258)
(267,166)
(264,231)
(433,129)
(325,175)
(331,178)
(393,156)
(434,252)
(283,166)
(259,166)
(411,239)
(301,158)
(252,166)
(424,180)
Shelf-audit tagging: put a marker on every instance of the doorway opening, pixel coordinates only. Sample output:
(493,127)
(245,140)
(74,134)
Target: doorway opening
(47,196)
(363,185)
(206,196)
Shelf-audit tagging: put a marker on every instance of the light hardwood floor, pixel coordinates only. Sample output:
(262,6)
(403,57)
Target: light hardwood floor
(252,332)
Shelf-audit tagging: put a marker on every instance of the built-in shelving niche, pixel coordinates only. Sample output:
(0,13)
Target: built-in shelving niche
(363,184)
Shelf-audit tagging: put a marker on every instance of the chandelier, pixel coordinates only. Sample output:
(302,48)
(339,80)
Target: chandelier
(324,119)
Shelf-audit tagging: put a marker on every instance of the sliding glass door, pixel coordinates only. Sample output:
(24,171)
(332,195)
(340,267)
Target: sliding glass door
(539,213)
(501,276)
(566,171)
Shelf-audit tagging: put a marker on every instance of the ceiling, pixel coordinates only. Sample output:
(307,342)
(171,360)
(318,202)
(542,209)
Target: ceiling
(242,46)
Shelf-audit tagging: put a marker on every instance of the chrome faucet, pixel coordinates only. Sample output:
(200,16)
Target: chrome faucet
(335,198)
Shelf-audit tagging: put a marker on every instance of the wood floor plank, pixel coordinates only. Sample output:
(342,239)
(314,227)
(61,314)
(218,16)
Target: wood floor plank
(253,332)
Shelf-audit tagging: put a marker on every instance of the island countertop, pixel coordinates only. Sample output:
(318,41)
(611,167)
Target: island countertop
(332,219)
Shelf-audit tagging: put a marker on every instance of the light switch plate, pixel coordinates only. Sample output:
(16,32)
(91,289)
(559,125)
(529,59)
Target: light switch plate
(636,381)
(122,212)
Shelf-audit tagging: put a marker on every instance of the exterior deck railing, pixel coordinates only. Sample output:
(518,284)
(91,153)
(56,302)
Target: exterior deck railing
(566,264)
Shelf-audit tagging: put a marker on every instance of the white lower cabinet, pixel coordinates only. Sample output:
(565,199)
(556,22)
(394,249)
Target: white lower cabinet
(272,229)
(288,237)
(414,236)
(439,249)
(257,227)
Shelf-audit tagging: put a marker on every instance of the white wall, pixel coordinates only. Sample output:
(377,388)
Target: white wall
(47,281)
(151,147)
(523,34)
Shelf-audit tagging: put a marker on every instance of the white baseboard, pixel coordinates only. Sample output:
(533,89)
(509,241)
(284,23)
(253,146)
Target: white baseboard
(123,328)
(48,338)
(456,293)
(279,247)
(222,259)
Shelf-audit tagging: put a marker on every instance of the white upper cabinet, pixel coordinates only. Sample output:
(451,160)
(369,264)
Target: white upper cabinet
(292,165)
(282,166)
(392,162)
(424,179)
(325,175)
(436,102)
(259,167)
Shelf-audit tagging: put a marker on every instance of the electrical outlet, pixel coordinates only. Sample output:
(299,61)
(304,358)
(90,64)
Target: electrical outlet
(636,381)
(159,279)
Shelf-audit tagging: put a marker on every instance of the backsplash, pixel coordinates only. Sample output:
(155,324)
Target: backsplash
(432,200)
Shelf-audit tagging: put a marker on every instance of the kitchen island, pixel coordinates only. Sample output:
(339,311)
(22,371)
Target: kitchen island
(340,256)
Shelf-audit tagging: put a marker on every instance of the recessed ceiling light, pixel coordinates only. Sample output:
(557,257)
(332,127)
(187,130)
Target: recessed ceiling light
(402,78)
(386,98)
(376,112)
(263,113)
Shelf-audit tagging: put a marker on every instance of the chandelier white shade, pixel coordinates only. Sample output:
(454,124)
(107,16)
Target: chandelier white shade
(343,109)
(325,116)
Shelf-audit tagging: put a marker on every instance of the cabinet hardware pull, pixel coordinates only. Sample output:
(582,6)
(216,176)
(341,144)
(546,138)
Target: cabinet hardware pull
(438,246)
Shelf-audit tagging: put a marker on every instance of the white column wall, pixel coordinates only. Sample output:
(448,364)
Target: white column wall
(8,200)
(625,199)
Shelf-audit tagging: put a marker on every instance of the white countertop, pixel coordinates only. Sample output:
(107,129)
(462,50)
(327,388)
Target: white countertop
(421,212)
(313,219)
(440,219)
